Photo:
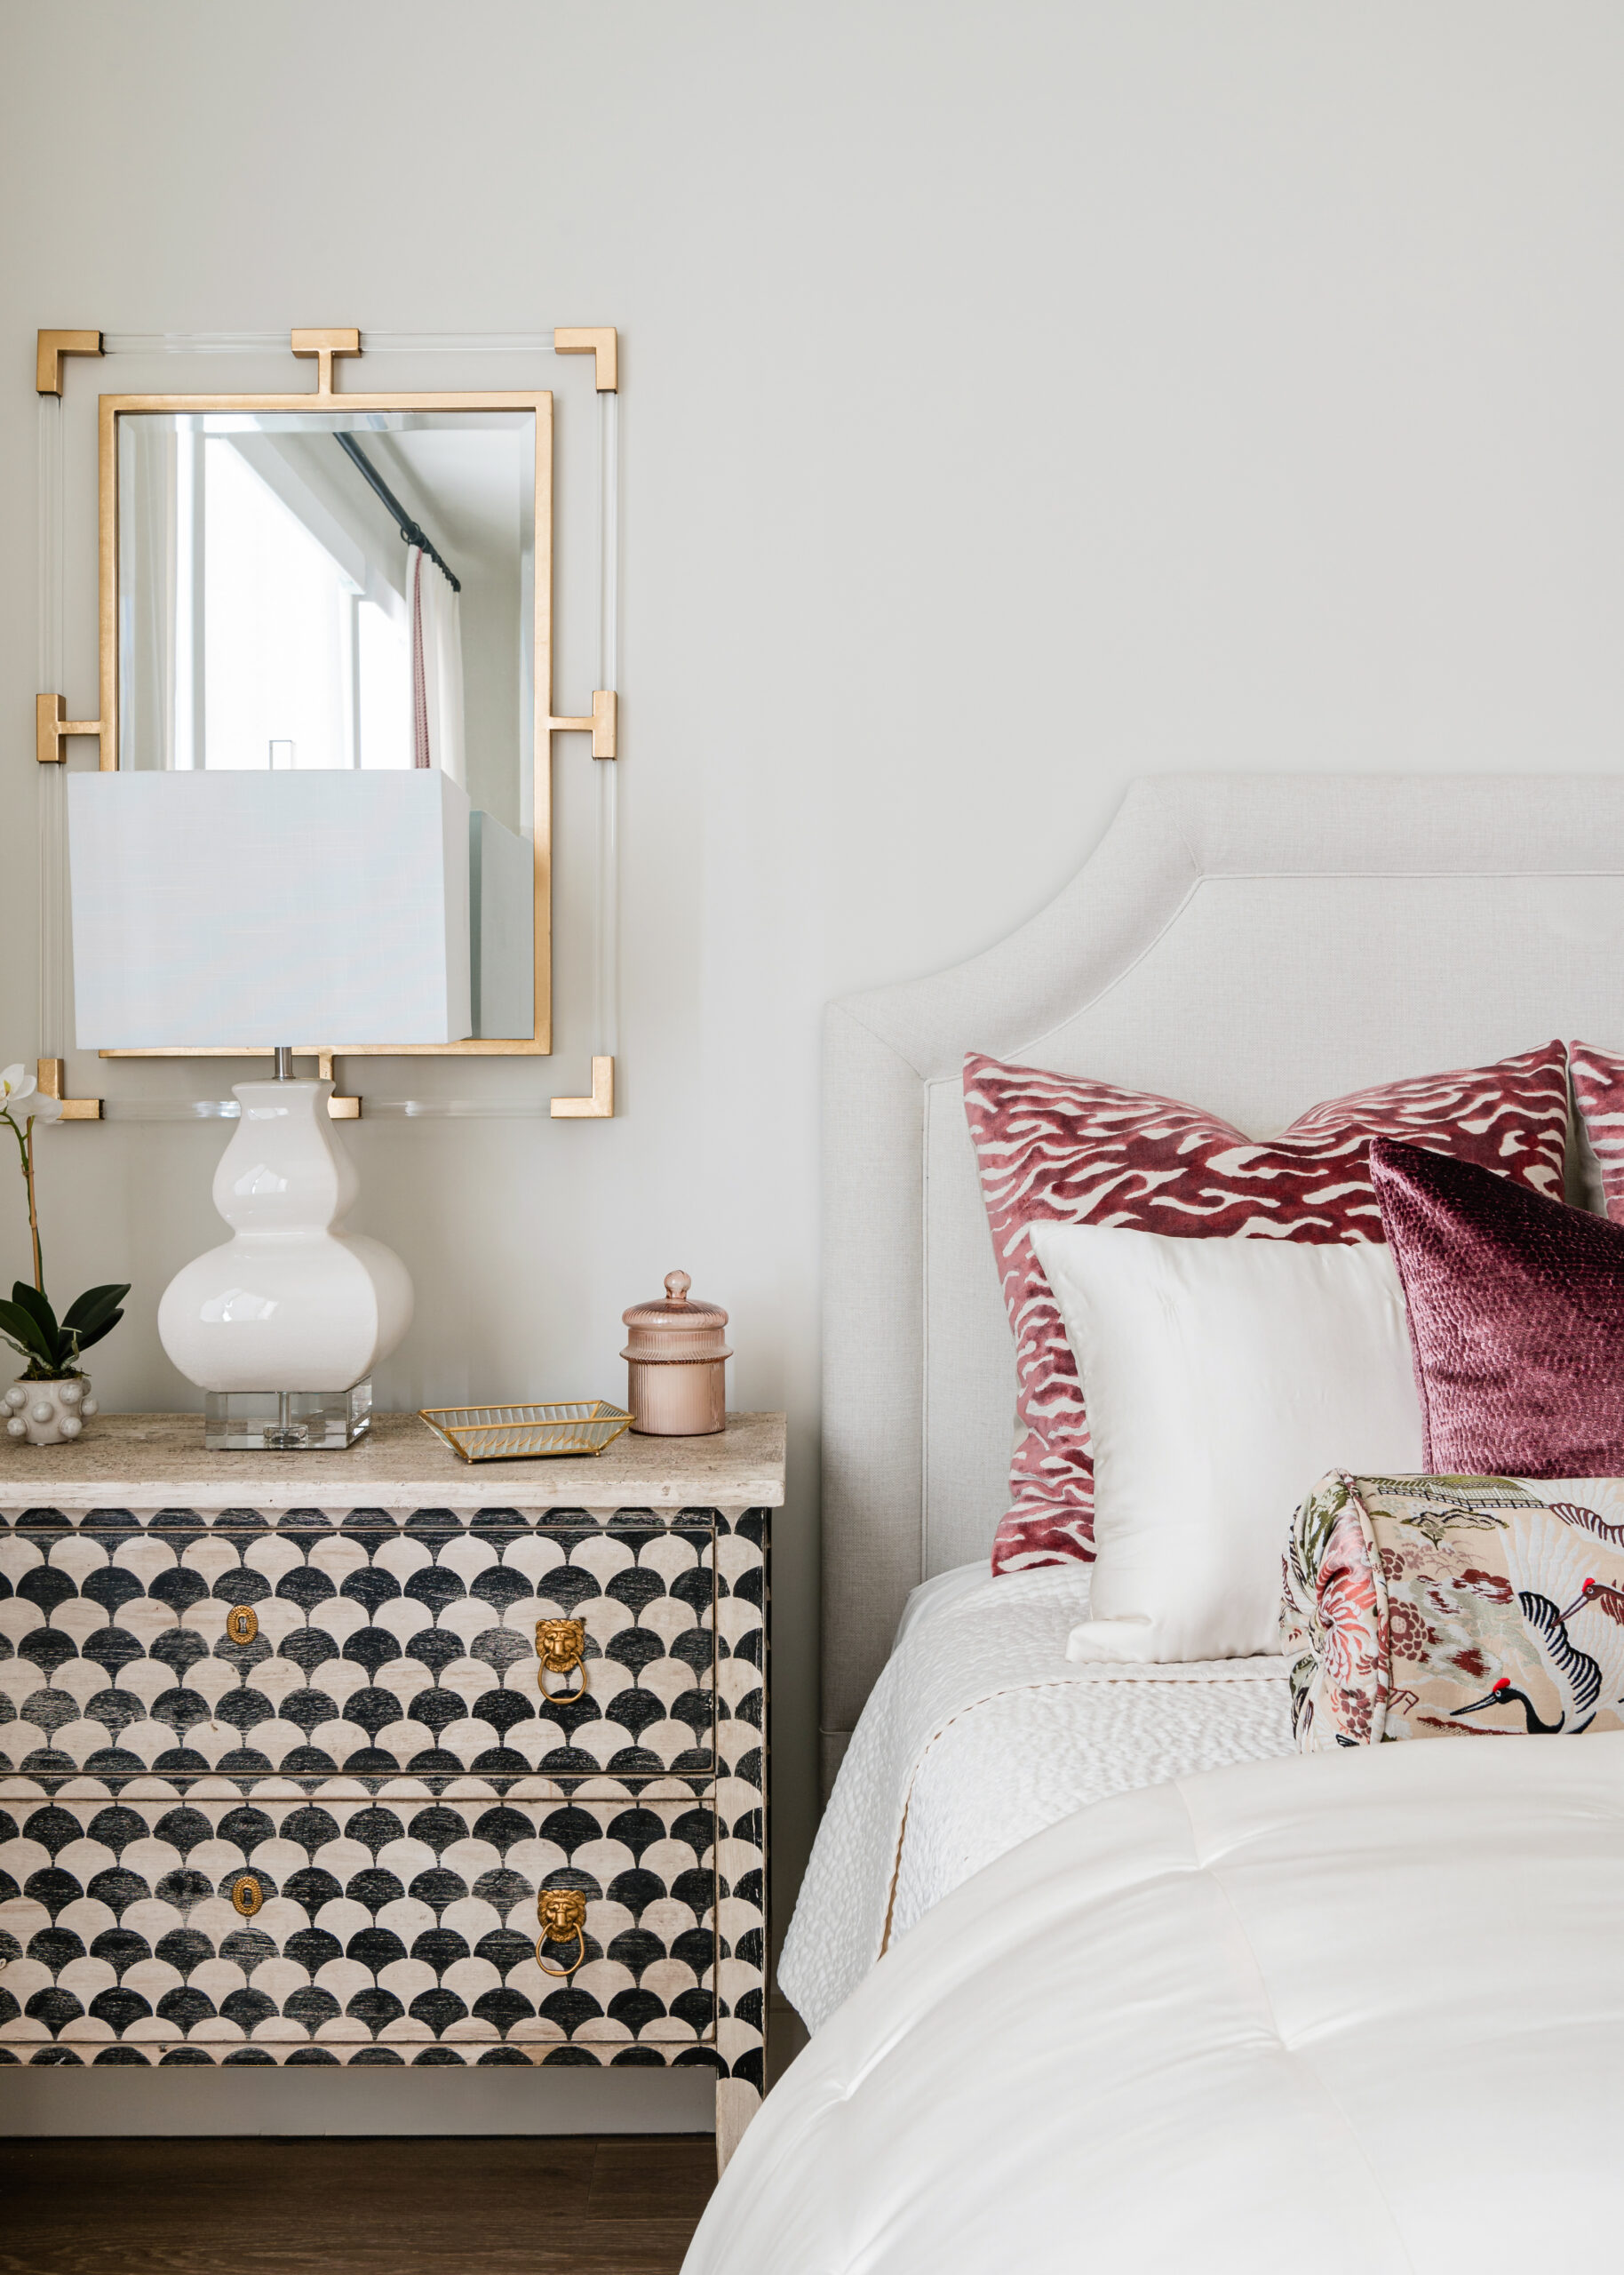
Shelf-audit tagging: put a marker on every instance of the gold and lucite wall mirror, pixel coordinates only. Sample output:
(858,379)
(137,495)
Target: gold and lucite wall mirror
(343,578)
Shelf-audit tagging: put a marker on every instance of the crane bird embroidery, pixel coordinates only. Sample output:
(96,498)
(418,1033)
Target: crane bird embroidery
(1603,1597)
(1577,1674)
(1505,1693)
(1585,1519)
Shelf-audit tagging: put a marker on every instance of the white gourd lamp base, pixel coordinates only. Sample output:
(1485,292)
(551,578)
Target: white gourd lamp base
(281,1325)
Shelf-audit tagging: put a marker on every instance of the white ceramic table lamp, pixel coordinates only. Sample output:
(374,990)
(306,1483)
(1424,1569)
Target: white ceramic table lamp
(267,910)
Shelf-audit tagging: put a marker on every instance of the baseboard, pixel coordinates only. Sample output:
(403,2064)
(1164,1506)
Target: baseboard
(50,2103)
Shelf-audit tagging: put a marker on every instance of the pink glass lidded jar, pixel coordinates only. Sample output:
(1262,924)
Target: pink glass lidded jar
(676,1364)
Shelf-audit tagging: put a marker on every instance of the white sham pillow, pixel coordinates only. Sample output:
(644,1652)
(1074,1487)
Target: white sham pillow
(1221,1377)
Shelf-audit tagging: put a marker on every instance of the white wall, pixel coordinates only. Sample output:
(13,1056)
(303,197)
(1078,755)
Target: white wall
(1019,398)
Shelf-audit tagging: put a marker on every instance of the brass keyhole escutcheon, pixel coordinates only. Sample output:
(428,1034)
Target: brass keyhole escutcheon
(560,1646)
(241,1622)
(246,1895)
(562,1914)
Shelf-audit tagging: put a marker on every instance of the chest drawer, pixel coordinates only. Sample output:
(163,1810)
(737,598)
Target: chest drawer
(374,1932)
(304,1645)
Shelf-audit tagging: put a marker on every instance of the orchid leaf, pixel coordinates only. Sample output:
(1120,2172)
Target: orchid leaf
(33,1302)
(87,1312)
(86,1336)
(19,1326)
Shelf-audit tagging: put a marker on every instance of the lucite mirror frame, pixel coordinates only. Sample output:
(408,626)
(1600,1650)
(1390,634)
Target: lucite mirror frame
(539,1043)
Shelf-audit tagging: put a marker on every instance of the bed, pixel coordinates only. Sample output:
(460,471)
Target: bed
(1250,942)
(1253,944)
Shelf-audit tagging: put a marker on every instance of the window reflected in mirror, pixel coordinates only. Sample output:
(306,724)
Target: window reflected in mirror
(342,588)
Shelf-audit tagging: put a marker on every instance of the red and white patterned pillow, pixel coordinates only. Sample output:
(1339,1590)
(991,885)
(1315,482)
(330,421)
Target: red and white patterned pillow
(1076,1152)
(1598,1092)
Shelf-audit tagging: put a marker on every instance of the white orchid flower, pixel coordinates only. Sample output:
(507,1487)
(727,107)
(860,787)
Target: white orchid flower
(20,1096)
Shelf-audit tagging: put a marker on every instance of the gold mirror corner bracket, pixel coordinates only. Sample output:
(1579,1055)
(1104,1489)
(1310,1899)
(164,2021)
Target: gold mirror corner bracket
(324,342)
(52,726)
(53,346)
(600,341)
(600,1107)
(338,1109)
(50,1074)
(604,725)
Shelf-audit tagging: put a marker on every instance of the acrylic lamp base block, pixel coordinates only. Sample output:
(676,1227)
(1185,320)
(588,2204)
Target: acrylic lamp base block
(286,1422)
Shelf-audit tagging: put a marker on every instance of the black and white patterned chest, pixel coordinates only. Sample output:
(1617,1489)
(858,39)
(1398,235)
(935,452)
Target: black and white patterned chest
(378,1760)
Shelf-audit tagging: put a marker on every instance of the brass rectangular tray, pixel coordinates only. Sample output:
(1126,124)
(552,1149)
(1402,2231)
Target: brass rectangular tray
(542,1431)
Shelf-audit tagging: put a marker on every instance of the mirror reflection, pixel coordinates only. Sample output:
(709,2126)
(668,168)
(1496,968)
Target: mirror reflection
(343,587)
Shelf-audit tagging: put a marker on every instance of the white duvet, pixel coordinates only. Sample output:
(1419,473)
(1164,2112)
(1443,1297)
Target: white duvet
(1354,2013)
(980,1732)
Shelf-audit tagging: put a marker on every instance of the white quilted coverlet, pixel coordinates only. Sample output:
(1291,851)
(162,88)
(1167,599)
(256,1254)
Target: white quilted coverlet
(1358,2013)
(980,1732)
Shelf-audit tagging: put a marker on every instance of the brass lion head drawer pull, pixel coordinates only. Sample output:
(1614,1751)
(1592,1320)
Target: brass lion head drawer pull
(241,1622)
(562,1914)
(560,1646)
(247,1896)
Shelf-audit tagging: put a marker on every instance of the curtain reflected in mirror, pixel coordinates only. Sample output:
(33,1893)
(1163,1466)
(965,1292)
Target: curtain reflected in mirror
(345,588)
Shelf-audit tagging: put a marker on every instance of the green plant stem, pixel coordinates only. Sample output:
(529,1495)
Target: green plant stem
(39,1269)
(25,1147)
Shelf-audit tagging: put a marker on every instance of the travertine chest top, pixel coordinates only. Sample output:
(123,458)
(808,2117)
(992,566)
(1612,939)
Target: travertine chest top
(149,1460)
(379,1757)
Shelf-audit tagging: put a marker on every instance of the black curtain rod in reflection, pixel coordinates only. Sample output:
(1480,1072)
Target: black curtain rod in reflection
(412,531)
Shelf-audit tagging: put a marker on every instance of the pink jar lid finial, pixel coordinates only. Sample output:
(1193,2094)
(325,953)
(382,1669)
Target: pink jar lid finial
(674,1326)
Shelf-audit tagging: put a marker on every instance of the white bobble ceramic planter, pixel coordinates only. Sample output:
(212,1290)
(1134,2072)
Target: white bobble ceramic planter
(48,1413)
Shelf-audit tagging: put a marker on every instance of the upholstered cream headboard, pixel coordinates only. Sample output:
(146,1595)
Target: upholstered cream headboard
(1251,943)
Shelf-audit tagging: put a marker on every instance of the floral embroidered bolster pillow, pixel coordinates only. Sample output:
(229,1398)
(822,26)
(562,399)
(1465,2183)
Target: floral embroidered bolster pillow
(1058,1148)
(1433,1607)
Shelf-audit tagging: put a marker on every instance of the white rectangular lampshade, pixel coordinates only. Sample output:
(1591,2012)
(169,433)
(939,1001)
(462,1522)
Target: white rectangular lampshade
(255,909)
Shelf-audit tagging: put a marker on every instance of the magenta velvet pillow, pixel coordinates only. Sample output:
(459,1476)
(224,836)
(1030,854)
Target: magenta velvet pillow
(1061,1148)
(1517,1319)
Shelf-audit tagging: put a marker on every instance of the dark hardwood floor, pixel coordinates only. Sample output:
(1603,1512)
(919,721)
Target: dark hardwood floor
(625,2205)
